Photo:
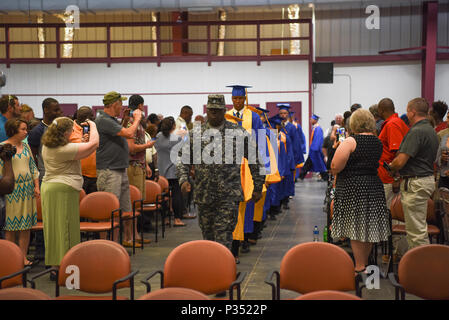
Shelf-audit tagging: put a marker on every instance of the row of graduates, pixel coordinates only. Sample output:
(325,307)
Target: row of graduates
(282,172)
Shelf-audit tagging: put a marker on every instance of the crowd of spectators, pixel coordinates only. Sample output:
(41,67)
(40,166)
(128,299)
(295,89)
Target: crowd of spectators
(372,156)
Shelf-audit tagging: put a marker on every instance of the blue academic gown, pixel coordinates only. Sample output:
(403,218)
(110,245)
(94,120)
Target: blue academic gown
(256,124)
(283,166)
(270,188)
(294,151)
(315,152)
(302,140)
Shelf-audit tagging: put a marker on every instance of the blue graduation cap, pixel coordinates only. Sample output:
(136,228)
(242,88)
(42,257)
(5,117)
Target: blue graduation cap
(315,117)
(263,110)
(276,120)
(283,106)
(238,90)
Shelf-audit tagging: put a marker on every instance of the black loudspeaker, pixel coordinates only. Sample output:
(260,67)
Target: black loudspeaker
(322,72)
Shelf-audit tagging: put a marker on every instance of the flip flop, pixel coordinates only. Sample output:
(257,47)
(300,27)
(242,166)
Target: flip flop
(179,225)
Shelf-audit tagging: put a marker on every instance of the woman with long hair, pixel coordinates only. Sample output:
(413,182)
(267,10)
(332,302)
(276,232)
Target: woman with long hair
(61,186)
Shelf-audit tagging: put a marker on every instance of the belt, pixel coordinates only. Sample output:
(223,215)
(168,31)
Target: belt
(406,178)
(413,177)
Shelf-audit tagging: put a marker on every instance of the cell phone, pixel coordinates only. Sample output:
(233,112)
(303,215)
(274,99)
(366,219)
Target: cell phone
(153,139)
(86,129)
(387,166)
(341,134)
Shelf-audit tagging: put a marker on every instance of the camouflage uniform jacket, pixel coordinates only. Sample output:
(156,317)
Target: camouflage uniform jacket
(214,182)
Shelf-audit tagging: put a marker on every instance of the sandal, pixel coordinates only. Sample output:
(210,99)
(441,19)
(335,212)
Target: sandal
(31,263)
(179,224)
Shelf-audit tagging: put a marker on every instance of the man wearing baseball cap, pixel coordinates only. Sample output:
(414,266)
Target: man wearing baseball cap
(113,152)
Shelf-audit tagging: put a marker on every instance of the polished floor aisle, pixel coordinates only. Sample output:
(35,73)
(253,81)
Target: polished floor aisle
(292,227)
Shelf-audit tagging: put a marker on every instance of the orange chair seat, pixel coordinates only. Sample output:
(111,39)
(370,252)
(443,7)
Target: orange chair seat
(129,215)
(431,229)
(149,207)
(38,226)
(89,298)
(96,226)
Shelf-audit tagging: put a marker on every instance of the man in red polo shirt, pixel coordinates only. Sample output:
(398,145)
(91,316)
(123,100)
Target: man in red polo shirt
(391,135)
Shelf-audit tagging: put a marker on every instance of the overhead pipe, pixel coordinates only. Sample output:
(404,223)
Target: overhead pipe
(154,34)
(293,13)
(41,35)
(221,34)
(69,18)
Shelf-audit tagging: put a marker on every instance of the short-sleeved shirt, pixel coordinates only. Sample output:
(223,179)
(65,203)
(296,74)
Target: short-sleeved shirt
(138,158)
(113,152)
(150,151)
(34,141)
(61,166)
(3,135)
(421,144)
(88,164)
(392,133)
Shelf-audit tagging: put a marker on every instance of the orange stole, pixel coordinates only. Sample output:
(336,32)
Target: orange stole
(245,176)
(273,177)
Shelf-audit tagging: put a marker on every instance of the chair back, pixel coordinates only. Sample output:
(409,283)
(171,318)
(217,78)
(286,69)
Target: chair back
(100,263)
(163,182)
(431,215)
(174,294)
(315,266)
(423,271)
(202,265)
(397,212)
(82,194)
(396,208)
(98,205)
(39,208)
(327,295)
(152,190)
(135,195)
(11,260)
(23,294)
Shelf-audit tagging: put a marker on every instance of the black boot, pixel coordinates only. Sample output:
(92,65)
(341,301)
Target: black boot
(285,205)
(245,246)
(235,250)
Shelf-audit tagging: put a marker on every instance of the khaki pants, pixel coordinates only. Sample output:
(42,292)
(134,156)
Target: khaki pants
(136,177)
(116,182)
(399,242)
(414,197)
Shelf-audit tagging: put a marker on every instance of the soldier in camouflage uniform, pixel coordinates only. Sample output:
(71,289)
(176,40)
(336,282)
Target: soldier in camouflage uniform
(218,189)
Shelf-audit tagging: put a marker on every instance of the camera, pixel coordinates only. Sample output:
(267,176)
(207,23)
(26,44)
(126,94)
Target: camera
(341,134)
(86,129)
(7,150)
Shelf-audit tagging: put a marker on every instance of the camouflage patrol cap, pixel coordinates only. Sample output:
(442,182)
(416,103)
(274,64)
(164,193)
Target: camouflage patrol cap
(216,101)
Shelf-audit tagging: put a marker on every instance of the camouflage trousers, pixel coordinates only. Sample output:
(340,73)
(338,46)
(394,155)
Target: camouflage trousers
(217,221)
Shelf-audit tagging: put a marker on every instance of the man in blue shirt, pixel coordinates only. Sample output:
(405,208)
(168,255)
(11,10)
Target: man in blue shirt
(9,108)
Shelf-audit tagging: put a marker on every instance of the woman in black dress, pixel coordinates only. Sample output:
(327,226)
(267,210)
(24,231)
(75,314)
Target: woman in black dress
(360,210)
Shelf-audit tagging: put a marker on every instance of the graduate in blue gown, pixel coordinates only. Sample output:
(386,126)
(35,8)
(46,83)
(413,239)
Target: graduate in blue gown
(315,161)
(250,122)
(301,137)
(290,130)
(286,165)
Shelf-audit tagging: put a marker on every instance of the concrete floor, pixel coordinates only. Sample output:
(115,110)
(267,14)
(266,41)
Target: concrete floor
(291,228)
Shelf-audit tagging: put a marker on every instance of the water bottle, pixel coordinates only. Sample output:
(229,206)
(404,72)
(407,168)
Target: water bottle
(325,234)
(316,234)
